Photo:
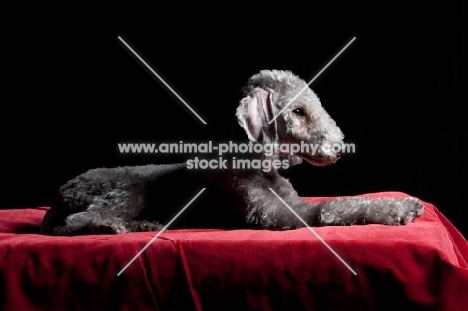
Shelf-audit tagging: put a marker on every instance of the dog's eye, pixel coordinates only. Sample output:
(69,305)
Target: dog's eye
(299,112)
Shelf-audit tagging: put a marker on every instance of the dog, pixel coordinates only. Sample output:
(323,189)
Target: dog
(277,108)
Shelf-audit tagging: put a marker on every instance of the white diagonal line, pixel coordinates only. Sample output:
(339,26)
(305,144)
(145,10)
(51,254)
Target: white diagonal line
(313,79)
(167,85)
(160,232)
(315,233)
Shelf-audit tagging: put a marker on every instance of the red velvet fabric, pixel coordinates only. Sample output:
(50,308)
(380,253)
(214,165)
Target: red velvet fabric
(420,266)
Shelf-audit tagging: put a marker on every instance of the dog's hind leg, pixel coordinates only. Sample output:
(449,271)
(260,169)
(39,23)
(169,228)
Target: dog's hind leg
(90,223)
(143,225)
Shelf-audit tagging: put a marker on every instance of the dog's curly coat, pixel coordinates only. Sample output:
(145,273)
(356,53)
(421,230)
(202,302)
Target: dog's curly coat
(144,198)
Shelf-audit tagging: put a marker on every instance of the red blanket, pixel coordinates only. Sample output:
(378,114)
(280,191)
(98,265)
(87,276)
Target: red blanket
(422,265)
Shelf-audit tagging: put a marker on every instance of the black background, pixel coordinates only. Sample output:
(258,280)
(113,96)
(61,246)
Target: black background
(72,90)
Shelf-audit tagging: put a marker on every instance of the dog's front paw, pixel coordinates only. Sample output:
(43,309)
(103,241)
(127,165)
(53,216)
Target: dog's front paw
(404,211)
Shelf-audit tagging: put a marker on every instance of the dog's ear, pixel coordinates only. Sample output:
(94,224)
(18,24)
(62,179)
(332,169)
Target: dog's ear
(253,114)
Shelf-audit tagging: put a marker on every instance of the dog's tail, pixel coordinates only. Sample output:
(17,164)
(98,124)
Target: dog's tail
(54,217)
(49,222)
(46,227)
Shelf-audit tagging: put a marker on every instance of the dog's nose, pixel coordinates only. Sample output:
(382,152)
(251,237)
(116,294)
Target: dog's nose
(337,149)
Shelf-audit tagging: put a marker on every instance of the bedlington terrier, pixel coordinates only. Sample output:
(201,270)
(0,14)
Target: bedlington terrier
(145,198)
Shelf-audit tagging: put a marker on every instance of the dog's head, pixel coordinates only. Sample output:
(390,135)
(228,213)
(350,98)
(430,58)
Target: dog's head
(301,118)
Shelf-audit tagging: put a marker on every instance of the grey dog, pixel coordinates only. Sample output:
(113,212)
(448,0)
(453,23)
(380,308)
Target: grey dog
(145,198)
